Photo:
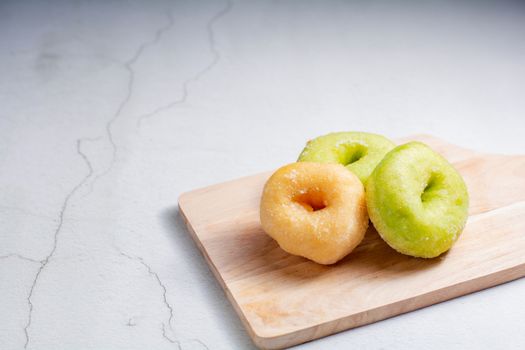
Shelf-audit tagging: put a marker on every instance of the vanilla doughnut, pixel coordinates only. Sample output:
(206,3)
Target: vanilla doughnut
(315,210)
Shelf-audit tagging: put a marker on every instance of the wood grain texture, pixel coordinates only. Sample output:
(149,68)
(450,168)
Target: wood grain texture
(284,300)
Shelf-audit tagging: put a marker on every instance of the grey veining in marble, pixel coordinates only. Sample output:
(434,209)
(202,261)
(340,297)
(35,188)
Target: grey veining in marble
(110,110)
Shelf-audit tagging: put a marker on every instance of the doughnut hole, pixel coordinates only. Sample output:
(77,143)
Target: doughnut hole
(350,153)
(311,200)
(426,195)
(431,188)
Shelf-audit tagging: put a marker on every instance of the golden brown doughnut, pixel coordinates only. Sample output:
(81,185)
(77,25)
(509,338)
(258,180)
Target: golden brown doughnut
(315,210)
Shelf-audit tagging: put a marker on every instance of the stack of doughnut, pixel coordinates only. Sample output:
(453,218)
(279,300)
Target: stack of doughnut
(319,207)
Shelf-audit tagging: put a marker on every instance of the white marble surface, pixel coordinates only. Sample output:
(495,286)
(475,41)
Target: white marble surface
(110,110)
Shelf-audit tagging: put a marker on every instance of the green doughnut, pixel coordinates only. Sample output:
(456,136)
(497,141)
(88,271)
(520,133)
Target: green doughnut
(417,201)
(360,152)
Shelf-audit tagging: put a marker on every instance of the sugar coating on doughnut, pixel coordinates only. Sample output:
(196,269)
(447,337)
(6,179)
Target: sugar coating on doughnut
(360,152)
(315,210)
(417,201)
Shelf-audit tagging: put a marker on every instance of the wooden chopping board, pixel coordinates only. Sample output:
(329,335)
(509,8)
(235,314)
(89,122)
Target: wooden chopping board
(284,300)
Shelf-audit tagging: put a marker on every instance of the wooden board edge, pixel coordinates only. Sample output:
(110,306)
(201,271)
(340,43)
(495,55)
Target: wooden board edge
(422,137)
(201,190)
(390,310)
(215,271)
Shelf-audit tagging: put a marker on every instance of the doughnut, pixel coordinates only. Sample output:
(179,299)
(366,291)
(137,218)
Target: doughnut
(417,201)
(360,152)
(314,210)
